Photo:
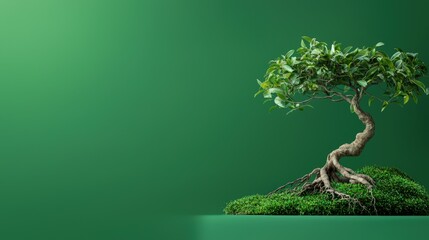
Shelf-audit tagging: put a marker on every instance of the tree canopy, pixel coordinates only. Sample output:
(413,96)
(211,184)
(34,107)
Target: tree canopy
(318,71)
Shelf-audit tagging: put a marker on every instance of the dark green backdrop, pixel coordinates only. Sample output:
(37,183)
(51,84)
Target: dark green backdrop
(114,114)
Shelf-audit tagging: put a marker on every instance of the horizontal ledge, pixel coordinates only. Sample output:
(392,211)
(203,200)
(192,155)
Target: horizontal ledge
(227,227)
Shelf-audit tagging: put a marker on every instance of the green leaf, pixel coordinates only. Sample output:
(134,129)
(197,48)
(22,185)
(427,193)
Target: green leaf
(346,88)
(259,82)
(363,83)
(272,108)
(288,54)
(259,92)
(379,44)
(406,98)
(412,54)
(398,86)
(294,80)
(395,55)
(370,100)
(397,93)
(279,102)
(265,85)
(276,90)
(398,63)
(308,39)
(267,94)
(347,49)
(372,71)
(361,53)
(385,104)
(303,44)
(420,85)
(352,109)
(272,68)
(287,68)
(316,51)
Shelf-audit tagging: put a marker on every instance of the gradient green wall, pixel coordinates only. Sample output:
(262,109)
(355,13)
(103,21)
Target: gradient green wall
(117,113)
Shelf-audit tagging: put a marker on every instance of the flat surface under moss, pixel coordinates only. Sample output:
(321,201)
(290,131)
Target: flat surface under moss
(270,227)
(395,193)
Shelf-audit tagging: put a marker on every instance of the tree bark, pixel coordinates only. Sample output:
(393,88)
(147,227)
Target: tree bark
(333,167)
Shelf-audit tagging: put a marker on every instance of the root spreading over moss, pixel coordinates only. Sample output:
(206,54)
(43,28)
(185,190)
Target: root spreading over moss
(395,193)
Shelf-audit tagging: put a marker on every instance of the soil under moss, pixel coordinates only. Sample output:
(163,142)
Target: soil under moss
(395,193)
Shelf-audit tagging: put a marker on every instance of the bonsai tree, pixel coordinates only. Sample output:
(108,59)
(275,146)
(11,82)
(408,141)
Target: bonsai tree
(317,71)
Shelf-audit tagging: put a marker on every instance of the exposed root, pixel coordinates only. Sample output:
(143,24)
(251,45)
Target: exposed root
(300,182)
(323,177)
(323,180)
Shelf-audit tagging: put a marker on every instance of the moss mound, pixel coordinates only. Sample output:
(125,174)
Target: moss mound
(395,193)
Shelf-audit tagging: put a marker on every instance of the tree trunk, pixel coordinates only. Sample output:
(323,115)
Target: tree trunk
(333,167)
(333,170)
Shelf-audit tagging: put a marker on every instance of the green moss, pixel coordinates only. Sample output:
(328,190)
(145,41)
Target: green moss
(395,193)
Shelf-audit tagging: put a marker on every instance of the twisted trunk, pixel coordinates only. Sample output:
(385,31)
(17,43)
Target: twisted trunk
(333,170)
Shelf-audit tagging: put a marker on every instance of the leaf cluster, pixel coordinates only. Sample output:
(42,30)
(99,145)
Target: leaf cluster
(318,71)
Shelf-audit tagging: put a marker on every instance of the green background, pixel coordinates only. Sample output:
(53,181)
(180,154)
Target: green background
(116,115)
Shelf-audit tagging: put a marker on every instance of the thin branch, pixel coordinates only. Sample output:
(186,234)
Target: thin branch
(337,100)
(356,91)
(322,97)
(337,94)
(375,97)
(305,101)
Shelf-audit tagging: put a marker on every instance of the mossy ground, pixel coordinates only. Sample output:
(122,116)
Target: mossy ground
(395,193)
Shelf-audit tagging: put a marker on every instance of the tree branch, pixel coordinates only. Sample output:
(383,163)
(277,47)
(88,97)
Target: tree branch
(335,93)
(375,97)
(308,99)
(361,92)
(331,97)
